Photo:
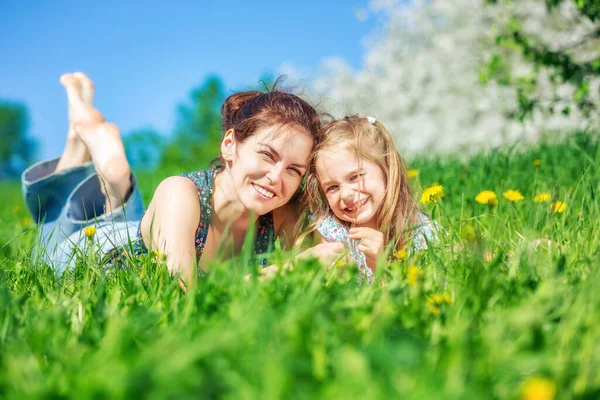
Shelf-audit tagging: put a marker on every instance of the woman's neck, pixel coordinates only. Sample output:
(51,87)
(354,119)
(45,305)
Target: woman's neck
(228,209)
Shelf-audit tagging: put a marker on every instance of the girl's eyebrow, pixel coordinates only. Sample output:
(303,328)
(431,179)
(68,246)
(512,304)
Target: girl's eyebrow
(348,175)
(354,172)
(276,154)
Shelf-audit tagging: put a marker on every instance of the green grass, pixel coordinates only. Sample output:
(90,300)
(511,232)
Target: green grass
(527,312)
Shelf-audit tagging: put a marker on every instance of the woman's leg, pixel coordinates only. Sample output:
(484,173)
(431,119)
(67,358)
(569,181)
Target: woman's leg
(68,194)
(106,148)
(48,184)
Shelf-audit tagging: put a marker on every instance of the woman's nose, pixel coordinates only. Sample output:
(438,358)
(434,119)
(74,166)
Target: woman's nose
(274,174)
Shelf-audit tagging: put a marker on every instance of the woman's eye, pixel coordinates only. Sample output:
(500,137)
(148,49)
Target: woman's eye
(267,154)
(296,171)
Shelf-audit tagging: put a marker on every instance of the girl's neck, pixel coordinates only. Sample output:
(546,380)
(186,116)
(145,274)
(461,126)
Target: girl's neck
(228,210)
(372,223)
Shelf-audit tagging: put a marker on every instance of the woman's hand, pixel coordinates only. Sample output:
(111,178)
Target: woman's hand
(370,242)
(327,252)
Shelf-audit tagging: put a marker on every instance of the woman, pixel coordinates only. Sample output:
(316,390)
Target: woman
(267,142)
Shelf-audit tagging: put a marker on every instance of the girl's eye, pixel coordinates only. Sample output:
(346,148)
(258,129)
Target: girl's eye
(331,188)
(354,178)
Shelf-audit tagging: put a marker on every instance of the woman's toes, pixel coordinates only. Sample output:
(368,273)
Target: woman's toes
(87,87)
(68,79)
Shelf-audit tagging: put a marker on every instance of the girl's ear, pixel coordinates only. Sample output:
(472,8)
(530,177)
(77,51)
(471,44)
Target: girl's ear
(228,146)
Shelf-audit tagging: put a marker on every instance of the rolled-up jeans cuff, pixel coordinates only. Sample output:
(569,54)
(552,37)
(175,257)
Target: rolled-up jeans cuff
(87,202)
(46,192)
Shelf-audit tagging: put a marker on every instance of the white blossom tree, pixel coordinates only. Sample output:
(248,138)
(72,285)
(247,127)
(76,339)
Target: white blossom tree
(426,76)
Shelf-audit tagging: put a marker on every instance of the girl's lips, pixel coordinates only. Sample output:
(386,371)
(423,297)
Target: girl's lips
(352,208)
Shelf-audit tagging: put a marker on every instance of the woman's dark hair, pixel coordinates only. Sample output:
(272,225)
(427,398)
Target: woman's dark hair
(247,112)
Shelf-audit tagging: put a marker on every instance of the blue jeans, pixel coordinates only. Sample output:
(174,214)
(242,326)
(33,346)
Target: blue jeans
(64,203)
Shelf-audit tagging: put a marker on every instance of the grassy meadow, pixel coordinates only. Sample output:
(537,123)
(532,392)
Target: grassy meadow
(504,306)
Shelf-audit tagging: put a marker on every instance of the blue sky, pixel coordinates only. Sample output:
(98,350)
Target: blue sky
(146,56)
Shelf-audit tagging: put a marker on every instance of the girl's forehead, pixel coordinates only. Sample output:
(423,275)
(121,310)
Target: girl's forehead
(335,163)
(336,155)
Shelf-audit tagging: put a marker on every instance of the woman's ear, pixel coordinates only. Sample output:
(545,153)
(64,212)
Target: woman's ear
(228,146)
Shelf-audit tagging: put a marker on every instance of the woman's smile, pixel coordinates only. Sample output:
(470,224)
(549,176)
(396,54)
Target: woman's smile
(263,192)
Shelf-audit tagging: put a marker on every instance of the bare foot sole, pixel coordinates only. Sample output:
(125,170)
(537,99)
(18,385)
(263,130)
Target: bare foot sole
(108,155)
(80,94)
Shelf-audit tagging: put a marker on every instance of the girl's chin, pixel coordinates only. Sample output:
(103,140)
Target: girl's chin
(355,219)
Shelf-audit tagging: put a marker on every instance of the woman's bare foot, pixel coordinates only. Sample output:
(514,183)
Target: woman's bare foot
(80,95)
(103,140)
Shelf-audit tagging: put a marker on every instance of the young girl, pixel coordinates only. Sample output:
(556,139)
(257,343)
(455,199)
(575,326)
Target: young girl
(89,194)
(358,195)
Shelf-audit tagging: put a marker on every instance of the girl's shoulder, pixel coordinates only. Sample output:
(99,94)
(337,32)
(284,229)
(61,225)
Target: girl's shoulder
(332,230)
(425,231)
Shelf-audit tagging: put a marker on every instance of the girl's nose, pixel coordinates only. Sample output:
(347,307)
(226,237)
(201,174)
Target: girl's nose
(348,194)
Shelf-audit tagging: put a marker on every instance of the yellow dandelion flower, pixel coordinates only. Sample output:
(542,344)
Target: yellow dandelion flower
(412,173)
(513,195)
(16,209)
(340,263)
(401,254)
(158,256)
(579,214)
(537,163)
(487,197)
(412,275)
(27,222)
(447,299)
(437,298)
(90,231)
(542,197)
(558,207)
(432,193)
(538,389)
(433,310)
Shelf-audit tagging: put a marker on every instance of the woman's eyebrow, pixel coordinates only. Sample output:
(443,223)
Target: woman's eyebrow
(276,154)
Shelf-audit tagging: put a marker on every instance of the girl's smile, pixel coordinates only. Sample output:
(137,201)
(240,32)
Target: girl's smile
(354,188)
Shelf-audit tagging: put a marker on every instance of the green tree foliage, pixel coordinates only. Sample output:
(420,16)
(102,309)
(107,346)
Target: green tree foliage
(575,61)
(198,132)
(16,149)
(144,148)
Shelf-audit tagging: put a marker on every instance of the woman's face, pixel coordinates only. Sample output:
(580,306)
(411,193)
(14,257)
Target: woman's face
(354,189)
(267,167)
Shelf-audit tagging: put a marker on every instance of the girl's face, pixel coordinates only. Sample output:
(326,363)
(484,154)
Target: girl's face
(267,167)
(354,188)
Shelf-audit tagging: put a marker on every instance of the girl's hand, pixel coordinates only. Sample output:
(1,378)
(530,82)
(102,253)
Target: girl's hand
(370,242)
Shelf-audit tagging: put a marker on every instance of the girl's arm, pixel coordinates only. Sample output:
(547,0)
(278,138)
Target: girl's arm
(169,226)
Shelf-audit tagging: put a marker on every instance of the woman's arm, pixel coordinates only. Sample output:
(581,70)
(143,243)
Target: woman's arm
(169,226)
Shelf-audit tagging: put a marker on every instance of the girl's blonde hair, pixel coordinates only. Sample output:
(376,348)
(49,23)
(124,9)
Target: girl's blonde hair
(371,142)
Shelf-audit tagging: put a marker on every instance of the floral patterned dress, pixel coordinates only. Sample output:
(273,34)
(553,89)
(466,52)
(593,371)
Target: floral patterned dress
(203,180)
(334,231)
